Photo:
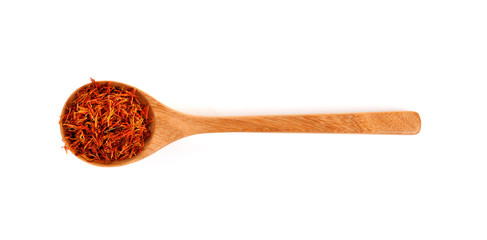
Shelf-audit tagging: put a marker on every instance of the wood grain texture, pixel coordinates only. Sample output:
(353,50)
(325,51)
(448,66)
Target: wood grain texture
(365,123)
(170,125)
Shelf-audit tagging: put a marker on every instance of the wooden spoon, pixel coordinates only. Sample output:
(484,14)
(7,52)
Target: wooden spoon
(170,125)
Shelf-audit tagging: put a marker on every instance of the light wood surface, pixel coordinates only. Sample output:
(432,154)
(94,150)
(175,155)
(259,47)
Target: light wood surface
(170,125)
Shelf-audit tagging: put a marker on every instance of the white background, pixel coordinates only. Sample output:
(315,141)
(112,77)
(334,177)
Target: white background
(240,58)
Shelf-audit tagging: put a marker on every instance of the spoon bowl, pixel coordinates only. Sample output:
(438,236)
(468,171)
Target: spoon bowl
(170,125)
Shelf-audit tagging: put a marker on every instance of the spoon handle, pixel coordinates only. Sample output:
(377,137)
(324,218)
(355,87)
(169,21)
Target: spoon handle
(405,122)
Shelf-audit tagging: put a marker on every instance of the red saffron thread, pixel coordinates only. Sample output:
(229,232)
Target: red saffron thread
(105,123)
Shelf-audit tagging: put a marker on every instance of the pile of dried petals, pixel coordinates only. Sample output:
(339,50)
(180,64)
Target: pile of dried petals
(105,123)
